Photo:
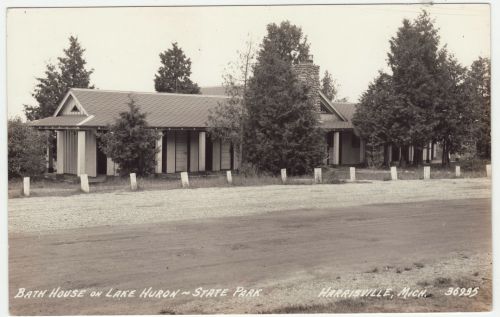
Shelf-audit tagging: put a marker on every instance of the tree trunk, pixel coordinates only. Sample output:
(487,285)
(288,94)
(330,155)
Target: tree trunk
(403,156)
(417,156)
(445,159)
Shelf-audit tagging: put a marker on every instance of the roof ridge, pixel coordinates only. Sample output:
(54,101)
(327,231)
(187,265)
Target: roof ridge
(150,93)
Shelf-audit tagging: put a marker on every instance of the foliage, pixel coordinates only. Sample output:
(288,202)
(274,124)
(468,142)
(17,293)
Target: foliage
(287,41)
(414,62)
(329,86)
(479,81)
(26,149)
(130,143)
(226,121)
(282,129)
(50,91)
(173,75)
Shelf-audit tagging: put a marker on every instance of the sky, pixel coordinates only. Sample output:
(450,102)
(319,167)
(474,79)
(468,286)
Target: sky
(123,44)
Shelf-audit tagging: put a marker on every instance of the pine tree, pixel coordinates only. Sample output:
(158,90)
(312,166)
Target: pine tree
(413,60)
(130,143)
(72,67)
(282,129)
(50,91)
(329,86)
(479,83)
(173,75)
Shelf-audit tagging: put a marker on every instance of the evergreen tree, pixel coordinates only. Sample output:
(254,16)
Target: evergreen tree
(329,86)
(479,83)
(130,143)
(377,118)
(50,90)
(72,67)
(173,75)
(413,59)
(282,129)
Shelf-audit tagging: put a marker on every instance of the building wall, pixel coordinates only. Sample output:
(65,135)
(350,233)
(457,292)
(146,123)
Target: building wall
(90,153)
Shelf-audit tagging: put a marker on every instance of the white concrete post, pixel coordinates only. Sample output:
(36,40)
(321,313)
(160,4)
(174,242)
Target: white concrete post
(184,179)
(427,172)
(159,153)
(317,176)
(201,151)
(352,172)
(283,175)
(26,186)
(389,154)
(60,152)
(394,173)
(84,183)
(81,158)
(229,177)
(488,170)
(457,171)
(336,148)
(133,181)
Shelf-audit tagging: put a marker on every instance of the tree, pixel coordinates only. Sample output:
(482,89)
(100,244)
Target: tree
(173,75)
(50,91)
(454,115)
(130,143)
(329,86)
(282,129)
(479,83)
(287,41)
(26,149)
(226,122)
(72,67)
(377,118)
(48,94)
(413,59)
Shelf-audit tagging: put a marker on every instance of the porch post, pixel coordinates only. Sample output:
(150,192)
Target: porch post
(159,154)
(202,150)
(336,148)
(80,160)
(60,151)
(389,153)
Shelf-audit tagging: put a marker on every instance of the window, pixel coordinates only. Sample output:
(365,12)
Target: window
(75,109)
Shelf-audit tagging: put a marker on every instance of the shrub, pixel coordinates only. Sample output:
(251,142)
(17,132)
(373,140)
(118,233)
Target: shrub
(26,148)
(130,143)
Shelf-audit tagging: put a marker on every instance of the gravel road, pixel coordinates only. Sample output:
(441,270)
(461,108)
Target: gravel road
(46,214)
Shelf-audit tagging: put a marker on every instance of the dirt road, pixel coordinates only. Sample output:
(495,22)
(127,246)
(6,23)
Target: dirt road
(290,254)
(42,214)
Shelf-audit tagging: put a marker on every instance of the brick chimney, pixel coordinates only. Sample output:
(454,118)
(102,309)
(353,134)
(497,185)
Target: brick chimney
(308,73)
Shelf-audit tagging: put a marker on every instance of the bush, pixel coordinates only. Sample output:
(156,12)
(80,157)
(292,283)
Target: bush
(26,148)
(130,143)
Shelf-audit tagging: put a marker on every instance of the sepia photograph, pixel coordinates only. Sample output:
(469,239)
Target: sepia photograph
(170,159)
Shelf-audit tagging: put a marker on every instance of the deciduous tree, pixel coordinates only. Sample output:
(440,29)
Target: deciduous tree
(26,149)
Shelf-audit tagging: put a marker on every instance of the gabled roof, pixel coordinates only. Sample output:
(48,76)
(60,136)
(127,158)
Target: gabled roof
(162,109)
